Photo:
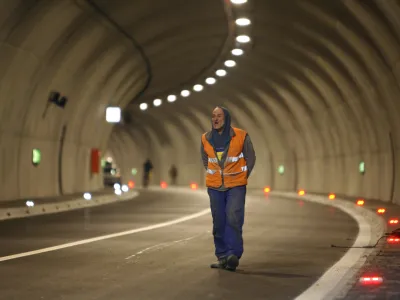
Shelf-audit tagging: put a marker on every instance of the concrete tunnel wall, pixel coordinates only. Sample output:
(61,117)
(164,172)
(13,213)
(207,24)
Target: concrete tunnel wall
(318,91)
(58,45)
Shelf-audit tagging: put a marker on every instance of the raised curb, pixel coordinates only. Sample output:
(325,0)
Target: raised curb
(56,207)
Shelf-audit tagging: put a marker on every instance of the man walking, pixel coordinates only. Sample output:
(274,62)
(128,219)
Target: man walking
(228,156)
(147,167)
(173,173)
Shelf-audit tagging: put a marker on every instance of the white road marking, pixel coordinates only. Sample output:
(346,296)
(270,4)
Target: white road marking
(105,237)
(146,249)
(163,245)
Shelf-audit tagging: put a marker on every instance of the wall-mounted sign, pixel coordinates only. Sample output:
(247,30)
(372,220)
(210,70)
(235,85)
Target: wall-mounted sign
(281,169)
(36,157)
(361,167)
(113,114)
(95,161)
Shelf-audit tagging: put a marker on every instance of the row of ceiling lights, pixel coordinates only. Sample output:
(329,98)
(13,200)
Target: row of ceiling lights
(230,63)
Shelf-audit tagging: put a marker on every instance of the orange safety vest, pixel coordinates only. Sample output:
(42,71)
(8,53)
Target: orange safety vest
(234,170)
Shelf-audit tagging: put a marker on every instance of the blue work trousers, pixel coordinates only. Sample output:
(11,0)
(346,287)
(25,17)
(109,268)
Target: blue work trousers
(227,209)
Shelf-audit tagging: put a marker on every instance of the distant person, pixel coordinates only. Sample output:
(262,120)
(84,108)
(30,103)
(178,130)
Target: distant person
(147,167)
(228,156)
(173,173)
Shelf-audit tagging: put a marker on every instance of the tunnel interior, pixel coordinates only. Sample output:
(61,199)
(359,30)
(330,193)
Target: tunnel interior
(316,88)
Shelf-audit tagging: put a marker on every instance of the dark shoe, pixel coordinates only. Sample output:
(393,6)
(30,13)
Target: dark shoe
(220,264)
(232,262)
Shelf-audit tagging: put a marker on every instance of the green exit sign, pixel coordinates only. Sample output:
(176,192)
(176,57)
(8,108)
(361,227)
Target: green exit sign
(281,169)
(36,157)
(361,167)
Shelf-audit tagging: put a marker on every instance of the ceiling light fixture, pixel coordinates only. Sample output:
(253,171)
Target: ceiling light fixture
(239,1)
(185,93)
(171,98)
(221,73)
(157,102)
(243,22)
(230,63)
(243,39)
(237,52)
(198,87)
(210,80)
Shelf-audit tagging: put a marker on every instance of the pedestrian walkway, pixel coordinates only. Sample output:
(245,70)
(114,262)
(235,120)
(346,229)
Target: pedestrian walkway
(32,207)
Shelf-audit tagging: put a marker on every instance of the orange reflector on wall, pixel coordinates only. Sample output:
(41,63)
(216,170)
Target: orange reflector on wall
(381,211)
(301,192)
(360,202)
(267,189)
(163,185)
(332,196)
(393,221)
(193,186)
(393,240)
(131,184)
(371,280)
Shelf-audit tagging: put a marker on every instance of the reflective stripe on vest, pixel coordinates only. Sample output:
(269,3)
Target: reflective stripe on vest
(228,159)
(234,171)
(244,169)
(212,172)
(234,158)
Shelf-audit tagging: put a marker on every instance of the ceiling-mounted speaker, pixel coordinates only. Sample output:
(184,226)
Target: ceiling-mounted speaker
(54,96)
(62,102)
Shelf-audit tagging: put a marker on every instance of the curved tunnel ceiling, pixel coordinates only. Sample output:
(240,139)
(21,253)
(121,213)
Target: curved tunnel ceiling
(318,84)
(317,89)
(178,39)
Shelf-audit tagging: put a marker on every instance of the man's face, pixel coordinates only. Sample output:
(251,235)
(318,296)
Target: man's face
(218,118)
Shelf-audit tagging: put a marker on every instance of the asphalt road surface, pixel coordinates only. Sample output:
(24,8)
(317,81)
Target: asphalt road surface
(287,248)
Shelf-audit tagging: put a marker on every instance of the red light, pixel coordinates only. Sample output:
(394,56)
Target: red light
(163,185)
(332,196)
(193,186)
(381,211)
(393,239)
(301,192)
(360,202)
(371,280)
(393,221)
(131,184)
(267,189)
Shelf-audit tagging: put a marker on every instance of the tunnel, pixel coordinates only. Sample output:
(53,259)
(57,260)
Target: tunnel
(314,83)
